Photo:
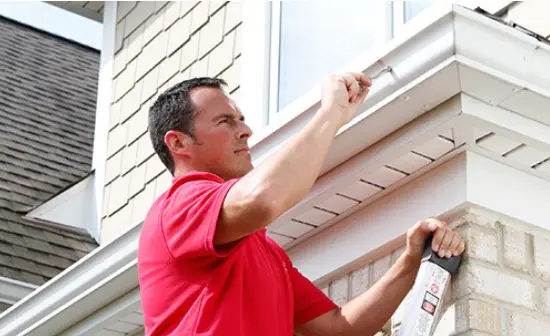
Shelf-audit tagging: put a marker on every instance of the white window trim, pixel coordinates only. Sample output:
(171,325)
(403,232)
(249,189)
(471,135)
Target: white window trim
(104,90)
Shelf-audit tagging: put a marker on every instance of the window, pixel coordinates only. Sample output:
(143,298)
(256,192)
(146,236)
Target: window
(295,44)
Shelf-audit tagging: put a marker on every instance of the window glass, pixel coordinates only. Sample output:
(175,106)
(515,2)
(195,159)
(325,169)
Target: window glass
(413,8)
(319,37)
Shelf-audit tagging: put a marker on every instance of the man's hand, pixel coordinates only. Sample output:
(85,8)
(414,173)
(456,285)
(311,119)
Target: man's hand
(446,242)
(343,94)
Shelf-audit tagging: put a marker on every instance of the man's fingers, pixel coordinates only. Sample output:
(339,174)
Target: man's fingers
(445,247)
(454,245)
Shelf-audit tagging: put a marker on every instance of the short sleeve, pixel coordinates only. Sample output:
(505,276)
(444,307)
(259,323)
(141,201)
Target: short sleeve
(190,216)
(309,301)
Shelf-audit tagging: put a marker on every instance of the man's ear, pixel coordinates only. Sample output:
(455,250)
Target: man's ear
(178,143)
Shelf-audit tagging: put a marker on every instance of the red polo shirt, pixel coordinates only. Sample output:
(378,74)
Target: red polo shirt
(190,288)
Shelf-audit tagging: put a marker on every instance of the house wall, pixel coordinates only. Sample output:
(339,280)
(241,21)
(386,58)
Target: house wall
(502,288)
(157,45)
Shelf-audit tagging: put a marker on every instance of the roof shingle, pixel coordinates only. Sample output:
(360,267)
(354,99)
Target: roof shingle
(48,88)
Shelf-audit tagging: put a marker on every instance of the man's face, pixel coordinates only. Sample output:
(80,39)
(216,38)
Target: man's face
(221,147)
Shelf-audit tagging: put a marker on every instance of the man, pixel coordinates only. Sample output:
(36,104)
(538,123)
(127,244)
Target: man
(206,266)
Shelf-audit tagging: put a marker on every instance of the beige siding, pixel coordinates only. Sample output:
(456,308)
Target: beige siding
(158,44)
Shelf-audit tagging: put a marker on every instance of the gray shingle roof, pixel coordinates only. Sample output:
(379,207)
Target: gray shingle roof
(48,88)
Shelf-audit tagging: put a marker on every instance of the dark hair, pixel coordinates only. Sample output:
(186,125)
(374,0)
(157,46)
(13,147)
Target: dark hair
(173,110)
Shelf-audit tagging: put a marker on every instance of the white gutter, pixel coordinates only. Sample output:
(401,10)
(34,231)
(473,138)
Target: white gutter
(12,291)
(411,55)
(102,265)
(109,272)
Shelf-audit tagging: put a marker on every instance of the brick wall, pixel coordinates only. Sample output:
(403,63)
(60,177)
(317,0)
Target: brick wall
(503,287)
(157,45)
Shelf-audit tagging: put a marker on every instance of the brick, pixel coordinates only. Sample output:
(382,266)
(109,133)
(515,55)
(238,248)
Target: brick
(125,81)
(119,193)
(112,167)
(137,180)
(137,125)
(135,43)
(233,15)
(129,155)
(153,168)
(116,139)
(124,7)
(169,67)
(189,52)
(380,267)
(163,183)
(120,62)
(179,34)
(339,291)
(542,257)
(150,84)
(515,248)
(145,148)
(142,203)
(114,115)
(480,244)
(138,15)
(360,281)
(483,317)
(152,54)
(119,36)
(221,57)
(187,6)
(211,34)
(199,16)
(482,218)
(153,26)
(130,103)
(520,325)
(495,284)
(532,15)
(172,13)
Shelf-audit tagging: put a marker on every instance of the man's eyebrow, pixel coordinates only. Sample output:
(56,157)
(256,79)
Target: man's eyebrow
(227,115)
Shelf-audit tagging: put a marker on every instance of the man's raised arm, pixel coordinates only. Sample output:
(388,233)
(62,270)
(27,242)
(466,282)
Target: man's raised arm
(284,179)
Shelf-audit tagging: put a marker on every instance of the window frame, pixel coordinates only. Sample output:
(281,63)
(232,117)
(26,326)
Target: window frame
(394,26)
(260,70)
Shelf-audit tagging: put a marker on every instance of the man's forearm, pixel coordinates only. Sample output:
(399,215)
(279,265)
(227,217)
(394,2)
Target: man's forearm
(286,177)
(367,313)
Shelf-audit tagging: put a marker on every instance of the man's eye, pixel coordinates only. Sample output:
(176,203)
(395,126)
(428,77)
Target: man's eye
(223,121)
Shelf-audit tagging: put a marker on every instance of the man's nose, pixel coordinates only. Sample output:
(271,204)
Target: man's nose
(244,131)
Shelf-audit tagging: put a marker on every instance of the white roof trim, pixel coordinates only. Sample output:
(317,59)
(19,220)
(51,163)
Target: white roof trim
(12,291)
(66,299)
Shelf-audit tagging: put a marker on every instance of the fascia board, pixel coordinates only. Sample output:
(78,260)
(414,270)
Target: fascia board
(504,51)
(12,291)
